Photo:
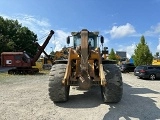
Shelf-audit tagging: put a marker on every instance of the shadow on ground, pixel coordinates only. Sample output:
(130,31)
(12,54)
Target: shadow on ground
(134,105)
(5,69)
(88,99)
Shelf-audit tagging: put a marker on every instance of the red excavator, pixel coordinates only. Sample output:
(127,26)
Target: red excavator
(21,61)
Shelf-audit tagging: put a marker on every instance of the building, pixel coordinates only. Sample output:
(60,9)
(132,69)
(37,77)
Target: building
(121,54)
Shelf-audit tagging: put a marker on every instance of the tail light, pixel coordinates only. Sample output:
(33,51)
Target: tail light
(142,71)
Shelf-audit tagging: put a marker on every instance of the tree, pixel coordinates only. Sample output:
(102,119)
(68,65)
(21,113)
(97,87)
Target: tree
(14,37)
(142,54)
(112,55)
(157,55)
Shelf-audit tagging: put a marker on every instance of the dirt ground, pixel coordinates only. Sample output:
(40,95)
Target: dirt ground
(25,97)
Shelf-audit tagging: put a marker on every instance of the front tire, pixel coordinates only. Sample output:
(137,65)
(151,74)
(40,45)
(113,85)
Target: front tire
(112,92)
(57,91)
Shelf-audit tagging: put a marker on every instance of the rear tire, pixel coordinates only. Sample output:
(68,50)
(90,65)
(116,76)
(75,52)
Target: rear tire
(152,77)
(57,91)
(112,92)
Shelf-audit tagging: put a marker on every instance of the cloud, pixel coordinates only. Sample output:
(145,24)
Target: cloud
(39,26)
(154,30)
(28,19)
(60,39)
(106,41)
(129,49)
(5,16)
(121,31)
(158,47)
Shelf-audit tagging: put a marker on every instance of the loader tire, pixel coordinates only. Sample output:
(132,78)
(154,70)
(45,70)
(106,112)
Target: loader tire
(57,91)
(112,92)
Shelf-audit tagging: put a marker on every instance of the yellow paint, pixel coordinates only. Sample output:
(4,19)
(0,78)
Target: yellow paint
(156,62)
(39,64)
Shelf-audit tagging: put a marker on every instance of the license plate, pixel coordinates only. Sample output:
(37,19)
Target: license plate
(137,72)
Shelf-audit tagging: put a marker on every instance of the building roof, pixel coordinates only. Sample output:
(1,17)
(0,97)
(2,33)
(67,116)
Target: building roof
(11,53)
(122,54)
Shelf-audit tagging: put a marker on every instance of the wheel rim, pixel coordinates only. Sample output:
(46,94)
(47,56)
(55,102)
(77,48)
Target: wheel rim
(152,77)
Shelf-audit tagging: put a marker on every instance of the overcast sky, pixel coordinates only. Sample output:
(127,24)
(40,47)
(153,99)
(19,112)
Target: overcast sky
(121,22)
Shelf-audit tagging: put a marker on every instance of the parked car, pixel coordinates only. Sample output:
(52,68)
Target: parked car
(151,72)
(127,67)
(138,69)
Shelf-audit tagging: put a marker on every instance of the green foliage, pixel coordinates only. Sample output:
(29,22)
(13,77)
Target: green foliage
(14,37)
(112,55)
(157,55)
(142,54)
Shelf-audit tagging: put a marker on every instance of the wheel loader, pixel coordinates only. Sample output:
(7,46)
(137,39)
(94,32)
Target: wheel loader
(86,66)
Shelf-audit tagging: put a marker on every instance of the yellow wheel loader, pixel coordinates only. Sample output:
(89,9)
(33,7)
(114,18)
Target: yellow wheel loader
(85,67)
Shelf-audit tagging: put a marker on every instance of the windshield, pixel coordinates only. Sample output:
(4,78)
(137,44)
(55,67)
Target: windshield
(77,41)
(140,67)
(91,42)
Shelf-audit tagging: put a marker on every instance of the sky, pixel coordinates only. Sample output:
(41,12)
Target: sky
(121,22)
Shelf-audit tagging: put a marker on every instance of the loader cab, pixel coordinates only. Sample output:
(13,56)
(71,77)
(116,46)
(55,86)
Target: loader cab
(76,41)
(92,39)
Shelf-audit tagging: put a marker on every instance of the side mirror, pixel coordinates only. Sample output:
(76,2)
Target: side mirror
(102,39)
(68,40)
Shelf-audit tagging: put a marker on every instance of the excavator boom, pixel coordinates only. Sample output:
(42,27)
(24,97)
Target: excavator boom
(41,48)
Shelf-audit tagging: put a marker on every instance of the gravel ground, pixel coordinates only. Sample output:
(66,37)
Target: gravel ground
(25,97)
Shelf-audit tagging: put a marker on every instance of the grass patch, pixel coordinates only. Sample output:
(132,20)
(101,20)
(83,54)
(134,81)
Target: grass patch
(6,78)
